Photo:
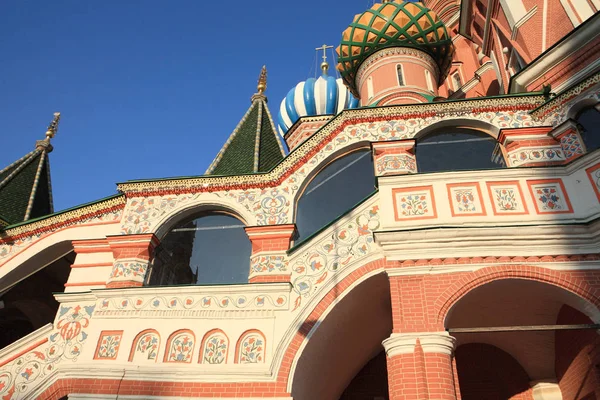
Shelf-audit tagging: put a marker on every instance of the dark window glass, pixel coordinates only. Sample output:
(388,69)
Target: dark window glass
(589,121)
(400,75)
(338,187)
(211,249)
(458,149)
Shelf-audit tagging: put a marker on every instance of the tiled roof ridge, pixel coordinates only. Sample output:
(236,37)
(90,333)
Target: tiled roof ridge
(24,161)
(34,187)
(219,155)
(270,118)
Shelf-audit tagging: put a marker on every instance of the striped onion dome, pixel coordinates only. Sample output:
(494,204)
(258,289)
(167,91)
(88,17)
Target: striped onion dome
(322,96)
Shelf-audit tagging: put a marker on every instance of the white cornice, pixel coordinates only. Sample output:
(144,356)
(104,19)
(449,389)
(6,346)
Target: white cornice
(194,290)
(431,342)
(586,33)
(490,241)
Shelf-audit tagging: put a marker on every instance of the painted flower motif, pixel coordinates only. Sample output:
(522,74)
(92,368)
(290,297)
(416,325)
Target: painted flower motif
(215,349)
(506,199)
(252,349)
(549,198)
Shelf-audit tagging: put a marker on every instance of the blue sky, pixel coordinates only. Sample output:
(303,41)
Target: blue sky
(147,89)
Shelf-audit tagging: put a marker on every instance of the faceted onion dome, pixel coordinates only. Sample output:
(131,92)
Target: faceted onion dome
(393,24)
(322,96)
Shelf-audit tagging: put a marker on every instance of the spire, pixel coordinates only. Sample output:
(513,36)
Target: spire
(25,188)
(254,145)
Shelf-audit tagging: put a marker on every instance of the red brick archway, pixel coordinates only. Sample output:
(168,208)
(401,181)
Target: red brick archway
(582,283)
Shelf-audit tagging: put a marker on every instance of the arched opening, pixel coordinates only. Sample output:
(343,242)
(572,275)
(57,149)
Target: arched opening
(334,190)
(210,248)
(30,304)
(588,120)
(484,358)
(343,358)
(454,149)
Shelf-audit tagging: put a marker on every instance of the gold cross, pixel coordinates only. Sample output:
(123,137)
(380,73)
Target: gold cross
(324,48)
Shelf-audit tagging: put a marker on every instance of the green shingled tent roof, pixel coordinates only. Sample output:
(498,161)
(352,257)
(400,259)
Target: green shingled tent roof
(254,145)
(25,188)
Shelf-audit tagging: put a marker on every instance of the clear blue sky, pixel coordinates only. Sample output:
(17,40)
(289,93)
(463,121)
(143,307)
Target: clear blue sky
(147,89)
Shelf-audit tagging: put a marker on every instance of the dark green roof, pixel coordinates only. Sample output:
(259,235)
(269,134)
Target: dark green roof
(253,146)
(25,190)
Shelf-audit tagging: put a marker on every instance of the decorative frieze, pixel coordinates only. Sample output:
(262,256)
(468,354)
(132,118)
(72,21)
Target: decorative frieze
(394,158)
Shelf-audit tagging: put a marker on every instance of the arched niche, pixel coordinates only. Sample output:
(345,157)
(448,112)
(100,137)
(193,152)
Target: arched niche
(456,148)
(347,338)
(341,183)
(516,302)
(207,247)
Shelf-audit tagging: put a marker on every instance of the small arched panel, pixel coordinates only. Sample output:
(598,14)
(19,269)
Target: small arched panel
(180,346)
(145,346)
(212,248)
(455,149)
(214,348)
(334,190)
(250,348)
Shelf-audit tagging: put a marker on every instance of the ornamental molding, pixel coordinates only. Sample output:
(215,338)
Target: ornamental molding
(431,342)
(79,216)
(555,111)
(501,112)
(452,244)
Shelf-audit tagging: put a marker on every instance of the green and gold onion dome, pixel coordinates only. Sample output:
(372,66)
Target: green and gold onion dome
(393,24)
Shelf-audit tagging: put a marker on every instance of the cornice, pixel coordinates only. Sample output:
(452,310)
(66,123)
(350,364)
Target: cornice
(313,144)
(63,219)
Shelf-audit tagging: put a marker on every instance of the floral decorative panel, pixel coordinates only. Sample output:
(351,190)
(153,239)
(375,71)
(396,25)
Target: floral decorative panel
(571,145)
(414,203)
(549,196)
(593,174)
(527,155)
(145,347)
(393,164)
(251,348)
(108,345)
(507,198)
(180,347)
(266,264)
(214,348)
(465,199)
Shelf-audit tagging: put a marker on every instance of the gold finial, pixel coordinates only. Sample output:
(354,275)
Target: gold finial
(53,127)
(324,64)
(262,80)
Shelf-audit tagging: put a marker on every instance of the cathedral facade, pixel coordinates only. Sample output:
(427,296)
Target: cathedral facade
(421,223)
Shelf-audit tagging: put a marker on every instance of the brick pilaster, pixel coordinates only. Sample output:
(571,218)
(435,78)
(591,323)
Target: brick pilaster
(132,255)
(269,261)
(394,158)
(531,147)
(93,263)
(420,366)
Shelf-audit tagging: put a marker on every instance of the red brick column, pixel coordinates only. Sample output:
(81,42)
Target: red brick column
(269,261)
(531,147)
(420,366)
(132,255)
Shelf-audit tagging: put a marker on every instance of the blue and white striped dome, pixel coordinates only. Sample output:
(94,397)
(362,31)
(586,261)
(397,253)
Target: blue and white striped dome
(322,96)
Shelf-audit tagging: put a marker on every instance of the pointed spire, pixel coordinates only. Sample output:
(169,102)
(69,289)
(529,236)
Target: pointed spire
(25,188)
(254,145)
(53,127)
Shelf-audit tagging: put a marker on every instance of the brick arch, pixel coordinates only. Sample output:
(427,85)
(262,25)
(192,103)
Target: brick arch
(206,337)
(241,339)
(571,281)
(292,351)
(138,337)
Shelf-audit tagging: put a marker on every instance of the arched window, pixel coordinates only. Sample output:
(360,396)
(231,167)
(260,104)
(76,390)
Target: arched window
(335,190)
(589,128)
(400,75)
(458,149)
(209,249)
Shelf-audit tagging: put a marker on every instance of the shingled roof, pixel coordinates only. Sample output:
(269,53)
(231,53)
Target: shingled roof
(254,145)
(25,187)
